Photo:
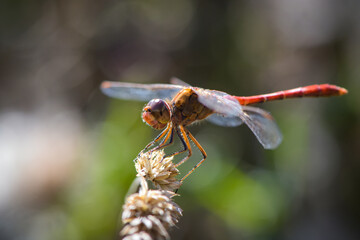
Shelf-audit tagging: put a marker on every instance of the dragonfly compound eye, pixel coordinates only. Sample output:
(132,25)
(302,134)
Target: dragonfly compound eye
(156,113)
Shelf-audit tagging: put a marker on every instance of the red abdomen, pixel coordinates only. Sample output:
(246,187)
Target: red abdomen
(323,90)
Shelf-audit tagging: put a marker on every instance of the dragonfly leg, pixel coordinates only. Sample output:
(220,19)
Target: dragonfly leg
(185,141)
(185,147)
(201,150)
(161,135)
(162,144)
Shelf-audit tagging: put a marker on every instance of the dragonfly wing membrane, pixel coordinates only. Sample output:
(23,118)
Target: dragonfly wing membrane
(139,92)
(177,81)
(225,121)
(263,126)
(219,102)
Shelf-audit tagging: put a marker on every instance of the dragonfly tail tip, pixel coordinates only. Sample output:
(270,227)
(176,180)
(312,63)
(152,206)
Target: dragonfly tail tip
(343,91)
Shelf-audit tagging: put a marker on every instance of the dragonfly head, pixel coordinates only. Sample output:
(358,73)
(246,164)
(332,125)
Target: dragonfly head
(156,113)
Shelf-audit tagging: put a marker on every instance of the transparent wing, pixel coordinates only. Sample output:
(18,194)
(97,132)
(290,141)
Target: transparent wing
(137,91)
(225,121)
(263,126)
(216,118)
(177,81)
(219,102)
(229,112)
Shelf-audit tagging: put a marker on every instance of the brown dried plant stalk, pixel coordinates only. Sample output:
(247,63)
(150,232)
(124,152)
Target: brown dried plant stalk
(149,214)
(157,169)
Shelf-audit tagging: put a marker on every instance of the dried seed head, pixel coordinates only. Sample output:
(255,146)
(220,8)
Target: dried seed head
(149,213)
(161,171)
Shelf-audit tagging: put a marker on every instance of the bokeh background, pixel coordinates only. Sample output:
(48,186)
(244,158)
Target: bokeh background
(66,150)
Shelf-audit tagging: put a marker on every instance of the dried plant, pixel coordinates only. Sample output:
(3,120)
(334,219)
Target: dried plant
(161,171)
(149,214)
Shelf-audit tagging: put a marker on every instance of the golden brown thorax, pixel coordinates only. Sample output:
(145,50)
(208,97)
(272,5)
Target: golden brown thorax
(186,108)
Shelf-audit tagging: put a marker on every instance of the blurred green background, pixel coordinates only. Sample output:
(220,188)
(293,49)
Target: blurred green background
(66,150)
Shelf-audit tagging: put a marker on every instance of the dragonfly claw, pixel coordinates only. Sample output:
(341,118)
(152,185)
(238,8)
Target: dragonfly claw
(163,158)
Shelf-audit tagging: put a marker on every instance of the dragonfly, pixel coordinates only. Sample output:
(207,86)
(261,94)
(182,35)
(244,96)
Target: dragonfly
(173,107)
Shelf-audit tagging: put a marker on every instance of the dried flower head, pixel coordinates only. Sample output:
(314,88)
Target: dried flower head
(161,171)
(149,213)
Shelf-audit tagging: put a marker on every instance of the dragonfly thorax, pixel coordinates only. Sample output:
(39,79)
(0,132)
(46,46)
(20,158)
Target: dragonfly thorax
(156,113)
